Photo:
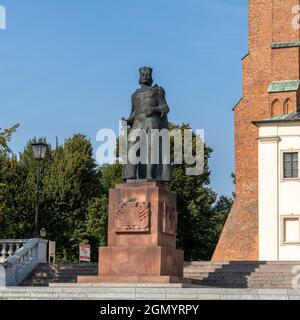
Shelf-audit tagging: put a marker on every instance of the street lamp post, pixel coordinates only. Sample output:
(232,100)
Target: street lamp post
(39,152)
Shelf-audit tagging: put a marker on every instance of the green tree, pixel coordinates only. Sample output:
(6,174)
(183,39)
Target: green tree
(5,137)
(70,183)
(71,191)
(6,167)
(111,174)
(201,214)
(96,224)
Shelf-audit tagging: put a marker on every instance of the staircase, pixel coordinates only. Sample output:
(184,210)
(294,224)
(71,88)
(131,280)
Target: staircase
(45,274)
(244,274)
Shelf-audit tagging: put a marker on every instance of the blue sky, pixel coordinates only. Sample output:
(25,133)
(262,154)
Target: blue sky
(71,66)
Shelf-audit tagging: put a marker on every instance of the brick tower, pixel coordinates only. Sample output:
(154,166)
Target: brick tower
(270,87)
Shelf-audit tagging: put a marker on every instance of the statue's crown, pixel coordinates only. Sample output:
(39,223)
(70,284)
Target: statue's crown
(147,69)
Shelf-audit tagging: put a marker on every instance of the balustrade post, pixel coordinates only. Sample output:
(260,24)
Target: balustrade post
(3,252)
(11,249)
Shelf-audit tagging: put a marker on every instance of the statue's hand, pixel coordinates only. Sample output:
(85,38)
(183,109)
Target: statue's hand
(150,112)
(163,113)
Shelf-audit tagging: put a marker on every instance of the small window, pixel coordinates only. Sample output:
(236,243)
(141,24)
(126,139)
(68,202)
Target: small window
(290,165)
(291,230)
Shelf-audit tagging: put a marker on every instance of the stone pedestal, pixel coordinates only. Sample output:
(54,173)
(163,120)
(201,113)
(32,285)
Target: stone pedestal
(142,227)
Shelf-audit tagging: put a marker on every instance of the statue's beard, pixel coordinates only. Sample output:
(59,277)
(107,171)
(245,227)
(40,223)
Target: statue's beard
(146,82)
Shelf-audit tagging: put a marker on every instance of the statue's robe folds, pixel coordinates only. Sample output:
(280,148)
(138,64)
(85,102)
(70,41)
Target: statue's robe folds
(144,99)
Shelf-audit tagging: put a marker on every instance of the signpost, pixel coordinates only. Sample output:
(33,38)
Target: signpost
(85,252)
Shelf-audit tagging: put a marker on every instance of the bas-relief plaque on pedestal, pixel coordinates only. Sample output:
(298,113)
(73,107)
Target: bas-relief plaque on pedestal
(135,217)
(132,217)
(169,216)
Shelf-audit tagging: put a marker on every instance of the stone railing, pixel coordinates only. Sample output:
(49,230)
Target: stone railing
(17,266)
(9,247)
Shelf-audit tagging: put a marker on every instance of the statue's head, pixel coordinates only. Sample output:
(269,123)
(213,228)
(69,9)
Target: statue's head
(146,76)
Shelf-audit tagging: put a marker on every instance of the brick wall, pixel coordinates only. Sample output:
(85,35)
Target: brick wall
(269,21)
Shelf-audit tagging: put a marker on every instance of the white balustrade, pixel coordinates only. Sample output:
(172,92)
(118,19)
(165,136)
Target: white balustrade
(19,258)
(9,247)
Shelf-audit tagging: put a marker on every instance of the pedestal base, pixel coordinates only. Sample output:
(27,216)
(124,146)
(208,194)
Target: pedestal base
(129,261)
(131,279)
(141,237)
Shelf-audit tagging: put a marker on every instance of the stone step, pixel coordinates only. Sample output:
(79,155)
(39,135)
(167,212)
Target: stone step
(44,274)
(232,275)
(57,275)
(228,272)
(69,265)
(70,274)
(61,279)
(242,268)
(38,271)
(148,292)
(247,285)
(243,279)
(270,280)
(240,275)
(47,281)
(241,264)
(67,268)
(216,281)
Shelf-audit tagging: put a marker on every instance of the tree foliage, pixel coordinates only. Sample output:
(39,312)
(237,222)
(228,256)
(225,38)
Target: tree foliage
(5,137)
(201,214)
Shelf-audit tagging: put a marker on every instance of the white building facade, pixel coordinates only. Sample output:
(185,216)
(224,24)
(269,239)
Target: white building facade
(279,188)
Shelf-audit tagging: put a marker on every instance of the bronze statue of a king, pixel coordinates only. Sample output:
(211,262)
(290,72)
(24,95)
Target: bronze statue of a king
(149,111)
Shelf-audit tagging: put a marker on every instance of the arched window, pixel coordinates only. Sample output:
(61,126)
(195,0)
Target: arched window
(287,107)
(276,108)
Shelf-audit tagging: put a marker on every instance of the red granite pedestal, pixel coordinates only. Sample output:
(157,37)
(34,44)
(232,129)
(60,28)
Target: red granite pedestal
(142,227)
